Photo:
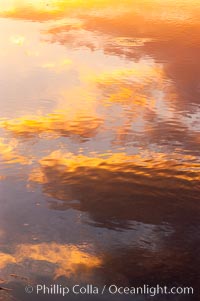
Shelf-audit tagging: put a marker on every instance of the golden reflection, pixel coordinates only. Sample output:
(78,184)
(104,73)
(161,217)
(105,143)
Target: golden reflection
(138,72)
(6,259)
(68,259)
(55,125)
(37,10)
(134,86)
(124,185)
(44,10)
(9,154)
(33,10)
(146,164)
(140,59)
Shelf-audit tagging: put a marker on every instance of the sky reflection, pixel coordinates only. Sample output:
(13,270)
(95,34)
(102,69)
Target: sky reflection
(100,142)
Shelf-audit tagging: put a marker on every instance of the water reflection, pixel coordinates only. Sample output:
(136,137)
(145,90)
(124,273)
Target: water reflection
(100,143)
(66,260)
(134,33)
(124,186)
(55,125)
(9,154)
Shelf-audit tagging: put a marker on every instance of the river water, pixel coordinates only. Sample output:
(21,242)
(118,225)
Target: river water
(99,146)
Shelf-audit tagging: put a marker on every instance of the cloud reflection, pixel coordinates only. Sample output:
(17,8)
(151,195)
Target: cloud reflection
(9,154)
(68,260)
(145,30)
(115,188)
(53,125)
(148,90)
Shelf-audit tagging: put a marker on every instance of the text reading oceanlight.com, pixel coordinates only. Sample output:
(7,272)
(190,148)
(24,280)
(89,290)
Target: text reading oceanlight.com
(89,289)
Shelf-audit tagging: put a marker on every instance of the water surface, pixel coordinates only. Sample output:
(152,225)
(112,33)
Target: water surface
(100,144)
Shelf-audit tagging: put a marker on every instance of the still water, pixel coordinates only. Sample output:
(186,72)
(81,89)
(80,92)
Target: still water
(99,145)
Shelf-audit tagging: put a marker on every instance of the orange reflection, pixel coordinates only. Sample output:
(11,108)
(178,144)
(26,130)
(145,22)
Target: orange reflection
(147,164)
(54,125)
(67,259)
(6,259)
(144,29)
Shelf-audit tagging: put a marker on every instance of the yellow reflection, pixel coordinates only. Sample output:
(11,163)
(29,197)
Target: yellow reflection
(34,10)
(43,10)
(139,72)
(66,258)
(18,40)
(55,125)
(152,164)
